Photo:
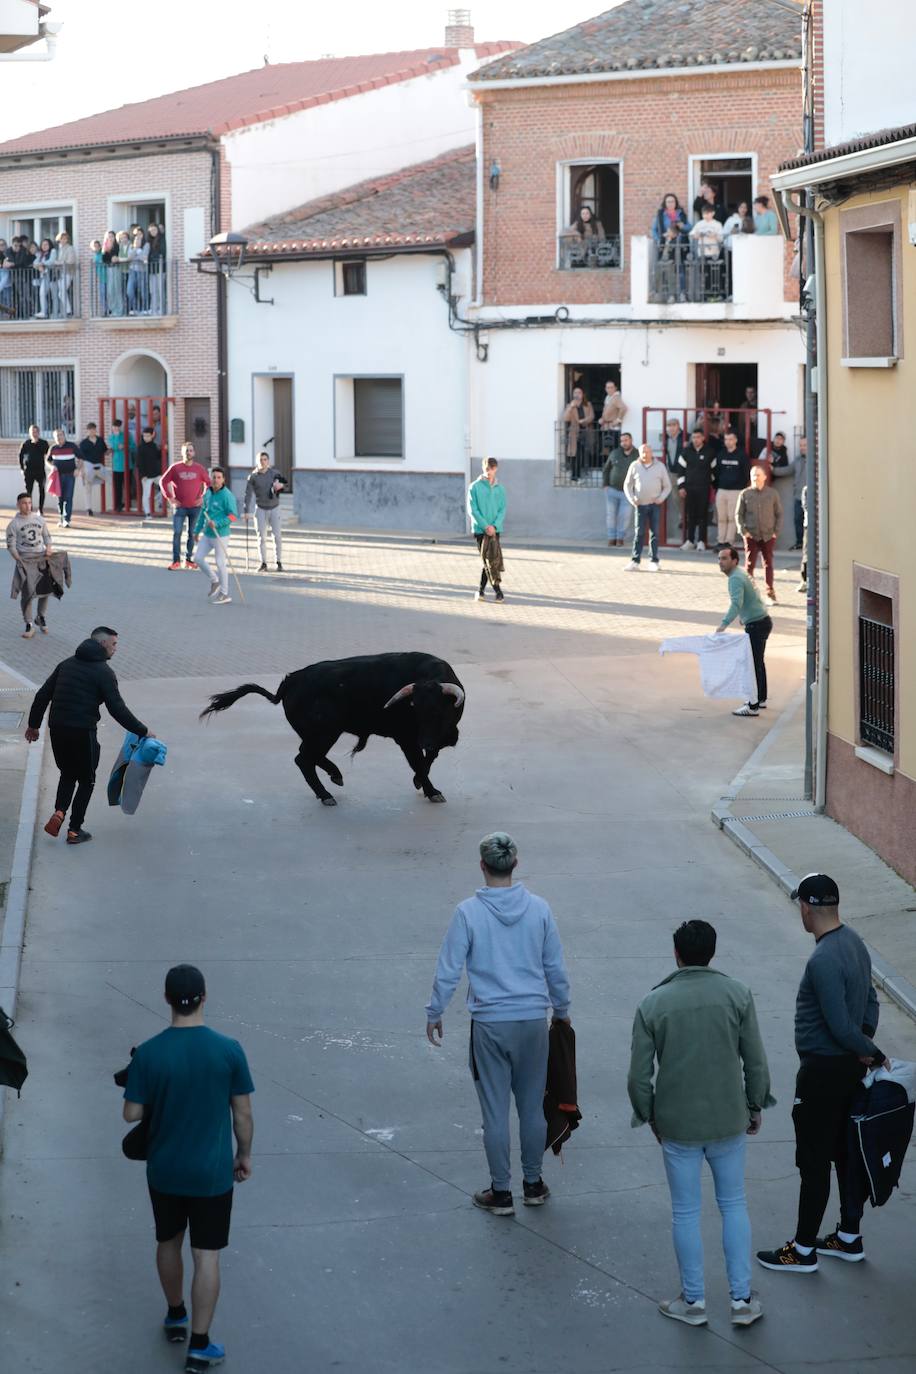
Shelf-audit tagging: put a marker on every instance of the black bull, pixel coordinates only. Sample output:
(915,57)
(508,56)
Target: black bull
(414,699)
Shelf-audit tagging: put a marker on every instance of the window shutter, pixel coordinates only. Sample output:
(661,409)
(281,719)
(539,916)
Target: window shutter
(378,418)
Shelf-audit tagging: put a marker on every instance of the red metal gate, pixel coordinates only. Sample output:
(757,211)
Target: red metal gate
(137,413)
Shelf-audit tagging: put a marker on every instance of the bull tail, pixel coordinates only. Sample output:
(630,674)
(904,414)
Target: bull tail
(359,746)
(221,701)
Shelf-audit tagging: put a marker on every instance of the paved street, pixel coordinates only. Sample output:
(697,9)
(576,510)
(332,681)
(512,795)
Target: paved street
(355,1247)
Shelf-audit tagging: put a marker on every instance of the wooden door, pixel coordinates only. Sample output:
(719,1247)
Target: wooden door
(283,427)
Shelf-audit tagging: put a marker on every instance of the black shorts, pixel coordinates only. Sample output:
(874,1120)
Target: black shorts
(207,1218)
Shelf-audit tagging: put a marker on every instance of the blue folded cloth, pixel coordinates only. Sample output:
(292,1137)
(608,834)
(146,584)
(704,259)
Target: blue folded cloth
(147,750)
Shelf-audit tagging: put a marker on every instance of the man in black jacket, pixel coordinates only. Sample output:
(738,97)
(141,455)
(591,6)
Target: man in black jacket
(32,461)
(694,476)
(75,691)
(731,474)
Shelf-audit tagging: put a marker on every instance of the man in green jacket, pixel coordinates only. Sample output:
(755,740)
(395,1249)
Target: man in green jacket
(486,511)
(710,1088)
(744,603)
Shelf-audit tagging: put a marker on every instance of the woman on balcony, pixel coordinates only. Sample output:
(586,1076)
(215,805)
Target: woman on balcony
(579,417)
(44,275)
(156,269)
(583,237)
(65,270)
(764,217)
(670,230)
(113,303)
(137,274)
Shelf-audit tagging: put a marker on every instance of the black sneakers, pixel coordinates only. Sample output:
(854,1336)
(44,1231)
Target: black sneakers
(849,1250)
(536,1194)
(499,1203)
(498,591)
(263,568)
(78,836)
(787,1260)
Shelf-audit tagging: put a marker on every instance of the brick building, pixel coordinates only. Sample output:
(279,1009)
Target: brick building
(82,341)
(611,115)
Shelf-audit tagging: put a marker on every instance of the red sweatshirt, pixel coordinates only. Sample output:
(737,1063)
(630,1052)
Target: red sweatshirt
(185,483)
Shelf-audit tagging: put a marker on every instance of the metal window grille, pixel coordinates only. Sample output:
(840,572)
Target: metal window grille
(41,396)
(876,684)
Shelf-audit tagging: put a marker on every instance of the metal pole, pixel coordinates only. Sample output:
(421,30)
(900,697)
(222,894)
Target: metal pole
(811,328)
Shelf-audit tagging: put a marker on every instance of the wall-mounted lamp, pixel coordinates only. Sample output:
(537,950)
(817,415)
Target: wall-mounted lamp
(226,256)
(494,175)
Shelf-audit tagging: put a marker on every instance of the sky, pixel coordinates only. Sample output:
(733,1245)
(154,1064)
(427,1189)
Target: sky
(113,56)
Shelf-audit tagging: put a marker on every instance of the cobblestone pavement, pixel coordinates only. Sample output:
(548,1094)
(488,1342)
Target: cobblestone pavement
(355,1248)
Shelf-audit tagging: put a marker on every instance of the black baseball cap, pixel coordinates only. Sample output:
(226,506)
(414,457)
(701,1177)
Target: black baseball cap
(817,889)
(184,987)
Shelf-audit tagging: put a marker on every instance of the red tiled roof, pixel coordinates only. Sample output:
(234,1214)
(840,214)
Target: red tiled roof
(429,204)
(249,98)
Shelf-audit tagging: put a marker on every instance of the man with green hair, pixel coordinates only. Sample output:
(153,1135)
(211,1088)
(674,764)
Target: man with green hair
(508,939)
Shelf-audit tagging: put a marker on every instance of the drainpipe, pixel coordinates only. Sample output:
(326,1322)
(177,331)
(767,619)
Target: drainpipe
(222,343)
(823,517)
(47,56)
(478,234)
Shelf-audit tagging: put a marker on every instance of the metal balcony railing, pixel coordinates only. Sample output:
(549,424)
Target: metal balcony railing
(119,290)
(579,454)
(39,292)
(576,251)
(678,273)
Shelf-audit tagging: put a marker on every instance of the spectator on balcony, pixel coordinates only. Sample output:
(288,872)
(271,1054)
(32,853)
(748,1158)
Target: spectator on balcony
(22,277)
(706,197)
(43,268)
(706,236)
(138,274)
(764,218)
(730,476)
(611,417)
(758,516)
(92,450)
(670,216)
(114,286)
(647,487)
(66,270)
(585,234)
(670,230)
(579,417)
(156,269)
(149,466)
(32,458)
(741,222)
(613,476)
(68,461)
(694,479)
(7,270)
(99,274)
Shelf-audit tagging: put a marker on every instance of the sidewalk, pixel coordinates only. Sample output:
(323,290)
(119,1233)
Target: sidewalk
(765,814)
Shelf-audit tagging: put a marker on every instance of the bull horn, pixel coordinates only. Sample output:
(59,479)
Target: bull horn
(451,689)
(404,692)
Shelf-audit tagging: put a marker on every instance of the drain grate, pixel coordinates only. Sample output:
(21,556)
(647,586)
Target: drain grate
(778,815)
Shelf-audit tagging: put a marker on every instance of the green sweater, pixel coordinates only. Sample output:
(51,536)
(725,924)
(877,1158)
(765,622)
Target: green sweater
(218,505)
(702,1028)
(486,505)
(744,600)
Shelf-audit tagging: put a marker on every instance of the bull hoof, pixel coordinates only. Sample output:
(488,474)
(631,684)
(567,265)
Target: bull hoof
(328,801)
(436,797)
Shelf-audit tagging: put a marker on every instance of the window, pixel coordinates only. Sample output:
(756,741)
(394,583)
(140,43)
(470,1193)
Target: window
(350,278)
(732,178)
(876,671)
(870,266)
(377,417)
(594,187)
(37,224)
(35,395)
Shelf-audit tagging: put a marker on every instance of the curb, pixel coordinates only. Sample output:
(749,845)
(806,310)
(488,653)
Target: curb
(899,989)
(12,933)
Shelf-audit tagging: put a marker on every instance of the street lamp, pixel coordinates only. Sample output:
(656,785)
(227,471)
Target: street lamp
(228,252)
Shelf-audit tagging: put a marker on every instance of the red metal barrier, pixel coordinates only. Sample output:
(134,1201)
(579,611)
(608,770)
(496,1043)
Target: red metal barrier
(136,414)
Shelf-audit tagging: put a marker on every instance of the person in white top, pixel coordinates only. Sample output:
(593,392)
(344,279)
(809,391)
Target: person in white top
(647,487)
(707,238)
(28,541)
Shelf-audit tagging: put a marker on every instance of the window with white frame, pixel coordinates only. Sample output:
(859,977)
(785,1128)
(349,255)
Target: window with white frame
(42,396)
(350,277)
(126,211)
(591,214)
(732,178)
(36,224)
(369,417)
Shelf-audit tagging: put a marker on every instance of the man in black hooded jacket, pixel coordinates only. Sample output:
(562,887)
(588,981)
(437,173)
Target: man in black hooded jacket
(75,691)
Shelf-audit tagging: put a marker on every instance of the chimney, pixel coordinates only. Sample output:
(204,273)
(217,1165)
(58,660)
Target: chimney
(459,31)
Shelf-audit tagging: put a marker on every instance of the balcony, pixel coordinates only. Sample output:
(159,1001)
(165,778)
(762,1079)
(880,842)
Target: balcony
(591,253)
(40,297)
(131,297)
(744,282)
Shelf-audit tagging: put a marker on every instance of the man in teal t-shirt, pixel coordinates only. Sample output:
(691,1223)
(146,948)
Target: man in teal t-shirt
(745,603)
(486,512)
(193,1086)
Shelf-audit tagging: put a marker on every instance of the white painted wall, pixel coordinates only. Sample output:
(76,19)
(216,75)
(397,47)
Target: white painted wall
(868,67)
(399,327)
(286,162)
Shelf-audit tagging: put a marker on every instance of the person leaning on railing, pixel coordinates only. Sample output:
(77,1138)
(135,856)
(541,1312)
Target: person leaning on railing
(114,286)
(589,232)
(155,237)
(43,268)
(66,265)
(670,230)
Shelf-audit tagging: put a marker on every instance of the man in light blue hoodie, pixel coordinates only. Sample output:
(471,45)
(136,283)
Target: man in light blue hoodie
(508,938)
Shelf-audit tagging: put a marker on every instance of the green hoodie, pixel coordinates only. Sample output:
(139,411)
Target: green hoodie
(218,505)
(486,505)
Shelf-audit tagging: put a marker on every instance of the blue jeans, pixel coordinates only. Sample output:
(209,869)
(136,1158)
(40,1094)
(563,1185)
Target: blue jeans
(618,514)
(647,518)
(684,1166)
(67,480)
(182,513)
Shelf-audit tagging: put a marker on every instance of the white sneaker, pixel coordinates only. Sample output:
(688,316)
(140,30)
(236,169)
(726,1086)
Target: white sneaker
(686,545)
(693,1313)
(632,566)
(214,588)
(746,1311)
(701,547)
(746,710)
(654,567)
(221,600)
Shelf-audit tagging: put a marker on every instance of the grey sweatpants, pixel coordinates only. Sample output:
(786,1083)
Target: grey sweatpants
(510,1058)
(272,518)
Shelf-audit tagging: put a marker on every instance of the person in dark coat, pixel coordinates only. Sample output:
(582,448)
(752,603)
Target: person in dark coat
(75,691)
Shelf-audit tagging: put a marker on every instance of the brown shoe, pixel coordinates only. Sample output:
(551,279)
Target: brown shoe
(54,824)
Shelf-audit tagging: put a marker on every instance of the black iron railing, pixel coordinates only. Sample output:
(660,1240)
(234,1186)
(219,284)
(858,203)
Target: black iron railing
(876,684)
(576,251)
(41,292)
(120,289)
(681,273)
(581,454)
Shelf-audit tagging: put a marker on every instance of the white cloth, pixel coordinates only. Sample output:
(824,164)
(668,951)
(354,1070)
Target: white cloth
(726,663)
(901,1071)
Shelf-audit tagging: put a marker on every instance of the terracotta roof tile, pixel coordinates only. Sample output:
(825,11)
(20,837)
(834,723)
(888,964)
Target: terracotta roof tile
(248,98)
(430,203)
(653,34)
(879,139)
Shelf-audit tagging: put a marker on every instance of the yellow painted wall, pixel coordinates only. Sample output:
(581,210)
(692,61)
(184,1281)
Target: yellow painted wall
(872,485)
